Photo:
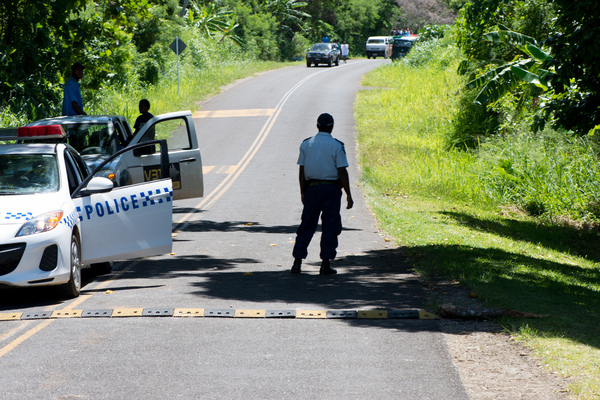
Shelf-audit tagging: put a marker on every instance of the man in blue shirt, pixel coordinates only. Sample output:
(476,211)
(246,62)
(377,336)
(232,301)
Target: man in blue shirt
(322,177)
(72,102)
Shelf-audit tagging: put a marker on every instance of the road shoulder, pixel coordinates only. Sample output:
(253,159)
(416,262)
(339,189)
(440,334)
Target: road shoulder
(491,364)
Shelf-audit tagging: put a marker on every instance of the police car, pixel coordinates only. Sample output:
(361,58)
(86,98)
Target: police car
(56,216)
(97,137)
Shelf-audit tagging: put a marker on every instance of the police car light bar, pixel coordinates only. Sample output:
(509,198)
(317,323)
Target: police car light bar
(33,132)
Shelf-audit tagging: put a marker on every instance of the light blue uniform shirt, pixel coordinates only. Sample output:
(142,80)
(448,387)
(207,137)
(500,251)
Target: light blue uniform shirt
(321,156)
(72,93)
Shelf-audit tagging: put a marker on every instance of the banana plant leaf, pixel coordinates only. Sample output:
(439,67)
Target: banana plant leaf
(504,35)
(528,76)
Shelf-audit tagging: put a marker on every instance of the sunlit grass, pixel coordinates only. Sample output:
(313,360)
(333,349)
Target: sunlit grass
(455,215)
(195,85)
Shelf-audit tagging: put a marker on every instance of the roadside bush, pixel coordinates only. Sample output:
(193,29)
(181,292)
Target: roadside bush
(148,71)
(430,32)
(263,42)
(301,43)
(550,174)
(436,52)
(471,123)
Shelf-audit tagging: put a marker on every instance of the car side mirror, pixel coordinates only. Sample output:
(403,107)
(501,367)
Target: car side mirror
(98,184)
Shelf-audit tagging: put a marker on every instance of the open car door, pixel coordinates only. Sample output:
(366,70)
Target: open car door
(184,154)
(122,221)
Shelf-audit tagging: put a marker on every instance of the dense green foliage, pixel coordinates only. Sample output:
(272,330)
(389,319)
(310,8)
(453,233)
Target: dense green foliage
(512,220)
(125,43)
(576,52)
(554,78)
(35,41)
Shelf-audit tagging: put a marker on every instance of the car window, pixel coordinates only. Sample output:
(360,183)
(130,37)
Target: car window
(74,173)
(403,43)
(175,131)
(120,170)
(28,173)
(321,46)
(375,41)
(92,138)
(123,136)
(126,128)
(80,164)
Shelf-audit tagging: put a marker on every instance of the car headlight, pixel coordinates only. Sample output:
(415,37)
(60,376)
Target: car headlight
(42,223)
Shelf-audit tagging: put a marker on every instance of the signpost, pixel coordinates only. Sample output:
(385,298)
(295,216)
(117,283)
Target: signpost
(177,46)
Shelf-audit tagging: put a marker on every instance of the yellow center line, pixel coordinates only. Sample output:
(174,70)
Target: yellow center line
(12,331)
(77,302)
(220,190)
(12,345)
(208,200)
(252,112)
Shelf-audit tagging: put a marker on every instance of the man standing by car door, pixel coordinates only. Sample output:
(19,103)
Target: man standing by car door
(322,176)
(72,102)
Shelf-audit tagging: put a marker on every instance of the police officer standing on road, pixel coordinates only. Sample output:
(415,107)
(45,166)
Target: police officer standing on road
(322,177)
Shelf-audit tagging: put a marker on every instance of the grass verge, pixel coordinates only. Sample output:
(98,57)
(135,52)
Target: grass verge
(195,85)
(432,201)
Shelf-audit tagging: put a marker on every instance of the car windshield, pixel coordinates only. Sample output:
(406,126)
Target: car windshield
(28,174)
(403,43)
(321,46)
(91,138)
(375,41)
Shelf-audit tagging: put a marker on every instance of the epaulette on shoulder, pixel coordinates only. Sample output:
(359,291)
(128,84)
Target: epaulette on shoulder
(308,138)
(340,142)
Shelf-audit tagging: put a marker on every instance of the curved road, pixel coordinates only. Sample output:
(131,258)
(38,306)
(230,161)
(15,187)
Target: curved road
(231,259)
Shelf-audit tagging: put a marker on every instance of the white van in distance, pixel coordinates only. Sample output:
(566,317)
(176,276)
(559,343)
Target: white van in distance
(379,46)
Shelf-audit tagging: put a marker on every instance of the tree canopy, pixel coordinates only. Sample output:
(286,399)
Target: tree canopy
(125,42)
(557,75)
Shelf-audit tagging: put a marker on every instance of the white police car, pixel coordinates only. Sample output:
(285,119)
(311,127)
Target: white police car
(96,137)
(56,217)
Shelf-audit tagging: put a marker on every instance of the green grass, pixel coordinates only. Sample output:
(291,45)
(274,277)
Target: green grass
(195,85)
(456,218)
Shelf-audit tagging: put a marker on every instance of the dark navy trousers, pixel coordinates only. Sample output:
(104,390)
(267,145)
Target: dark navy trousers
(322,200)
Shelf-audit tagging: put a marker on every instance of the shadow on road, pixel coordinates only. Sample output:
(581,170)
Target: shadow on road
(377,279)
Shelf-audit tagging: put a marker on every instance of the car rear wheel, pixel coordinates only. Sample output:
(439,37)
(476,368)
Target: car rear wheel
(73,287)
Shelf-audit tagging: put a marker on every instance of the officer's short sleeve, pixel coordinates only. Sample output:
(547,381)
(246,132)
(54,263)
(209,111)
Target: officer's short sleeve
(301,157)
(341,160)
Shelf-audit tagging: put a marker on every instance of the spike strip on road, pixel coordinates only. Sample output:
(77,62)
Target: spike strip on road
(219,313)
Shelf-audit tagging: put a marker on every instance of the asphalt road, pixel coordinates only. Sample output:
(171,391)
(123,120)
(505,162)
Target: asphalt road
(231,258)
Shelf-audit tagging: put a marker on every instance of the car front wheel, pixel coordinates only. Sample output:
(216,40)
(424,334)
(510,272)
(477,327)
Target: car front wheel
(73,287)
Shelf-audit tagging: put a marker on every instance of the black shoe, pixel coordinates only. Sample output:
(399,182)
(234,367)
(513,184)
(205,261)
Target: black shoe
(296,267)
(326,268)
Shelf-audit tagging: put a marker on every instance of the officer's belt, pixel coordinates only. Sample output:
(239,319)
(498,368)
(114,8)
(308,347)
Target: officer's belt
(315,182)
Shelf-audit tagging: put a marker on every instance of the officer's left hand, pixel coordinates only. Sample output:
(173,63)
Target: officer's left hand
(350,203)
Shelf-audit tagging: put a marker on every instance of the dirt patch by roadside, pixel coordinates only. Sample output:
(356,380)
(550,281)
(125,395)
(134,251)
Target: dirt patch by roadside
(490,364)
